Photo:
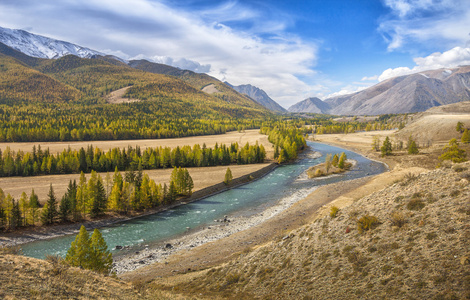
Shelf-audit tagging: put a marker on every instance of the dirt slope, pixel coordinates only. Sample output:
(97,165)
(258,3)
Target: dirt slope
(406,255)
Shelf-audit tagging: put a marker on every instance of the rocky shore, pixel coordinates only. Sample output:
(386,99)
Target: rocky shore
(223,228)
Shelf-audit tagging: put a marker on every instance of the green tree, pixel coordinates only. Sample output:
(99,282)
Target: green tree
(453,152)
(465,137)
(49,211)
(342,160)
(459,127)
(101,258)
(79,253)
(34,206)
(386,148)
(228,177)
(90,253)
(412,147)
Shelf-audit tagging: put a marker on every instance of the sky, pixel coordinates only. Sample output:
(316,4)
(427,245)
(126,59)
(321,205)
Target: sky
(291,49)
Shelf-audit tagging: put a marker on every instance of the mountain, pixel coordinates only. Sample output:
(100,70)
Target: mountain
(200,81)
(259,96)
(405,94)
(310,105)
(411,93)
(43,47)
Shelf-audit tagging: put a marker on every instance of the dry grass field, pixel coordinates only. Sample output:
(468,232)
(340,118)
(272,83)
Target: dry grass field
(202,178)
(249,136)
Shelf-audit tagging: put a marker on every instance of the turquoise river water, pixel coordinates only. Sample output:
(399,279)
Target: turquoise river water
(285,181)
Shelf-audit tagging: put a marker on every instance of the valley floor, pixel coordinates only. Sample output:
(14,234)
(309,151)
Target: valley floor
(244,234)
(178,268)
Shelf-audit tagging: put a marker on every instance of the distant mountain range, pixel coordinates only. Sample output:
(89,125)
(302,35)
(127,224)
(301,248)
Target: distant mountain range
(37,46)
(411,93)
(310,105)
(259,96)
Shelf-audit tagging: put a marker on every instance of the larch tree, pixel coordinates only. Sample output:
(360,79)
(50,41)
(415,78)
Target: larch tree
(228,177)
(102,259)
(386,148)
(49,211)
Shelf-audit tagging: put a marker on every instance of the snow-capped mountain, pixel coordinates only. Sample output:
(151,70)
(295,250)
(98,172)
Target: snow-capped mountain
(43,47)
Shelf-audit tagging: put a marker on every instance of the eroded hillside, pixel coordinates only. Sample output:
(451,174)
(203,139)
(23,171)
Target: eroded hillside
(417,247)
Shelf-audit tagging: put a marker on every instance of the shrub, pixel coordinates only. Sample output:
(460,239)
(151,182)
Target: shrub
(409,177)
(415,204)
(334,211)
(367,223)
(397,219)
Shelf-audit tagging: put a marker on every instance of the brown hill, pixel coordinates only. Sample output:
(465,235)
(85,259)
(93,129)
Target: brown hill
(437,124)
(29,278)
(407,241)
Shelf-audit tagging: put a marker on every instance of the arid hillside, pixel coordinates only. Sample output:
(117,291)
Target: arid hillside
(438,124)
(408,241)
(29,278)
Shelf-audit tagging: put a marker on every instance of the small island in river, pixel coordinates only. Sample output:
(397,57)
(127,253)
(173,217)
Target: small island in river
(333,165)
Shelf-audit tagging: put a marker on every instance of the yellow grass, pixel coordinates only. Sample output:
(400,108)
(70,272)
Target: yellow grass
(250,136)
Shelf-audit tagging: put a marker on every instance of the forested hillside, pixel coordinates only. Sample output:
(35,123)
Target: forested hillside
(64,99)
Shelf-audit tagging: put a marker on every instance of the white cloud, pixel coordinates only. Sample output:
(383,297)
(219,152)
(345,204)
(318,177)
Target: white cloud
(448,59)
(443,22)
(349,89)
(371,78)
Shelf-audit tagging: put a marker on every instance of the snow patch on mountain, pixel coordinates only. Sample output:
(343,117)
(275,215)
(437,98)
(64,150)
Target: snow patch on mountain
(40,46)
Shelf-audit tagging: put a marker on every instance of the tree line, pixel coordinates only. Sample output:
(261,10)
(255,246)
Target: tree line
(93,198)
(43,162)
(287,141)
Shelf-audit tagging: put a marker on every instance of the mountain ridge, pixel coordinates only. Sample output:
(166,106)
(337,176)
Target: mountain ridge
(40,46)
(259,96)
(404,94)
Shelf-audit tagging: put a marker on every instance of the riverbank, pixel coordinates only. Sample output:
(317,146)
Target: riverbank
(239,237)
(48,232)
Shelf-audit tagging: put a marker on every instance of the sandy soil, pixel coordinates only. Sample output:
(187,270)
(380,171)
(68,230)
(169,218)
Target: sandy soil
(249,136)
(116,97)
(202,178)
(210,89)
(440,128)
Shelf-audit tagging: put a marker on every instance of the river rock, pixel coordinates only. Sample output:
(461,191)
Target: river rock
(169,246)
(118,247)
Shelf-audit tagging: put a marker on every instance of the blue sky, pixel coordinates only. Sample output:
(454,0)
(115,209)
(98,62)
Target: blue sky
(291,49)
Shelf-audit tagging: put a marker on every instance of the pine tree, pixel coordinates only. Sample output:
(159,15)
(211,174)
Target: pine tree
(334,160)
(98,205)
(465,137)
(34,206)
(412,147)
(101,258)
(64,208)
(188,183)
(342,160)
(49,212)
(172,192)
(15,215)
(79,253)
(386,148)
(228,177)
(453,152)
(24,203)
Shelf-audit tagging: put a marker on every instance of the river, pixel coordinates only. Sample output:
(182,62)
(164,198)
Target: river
(287,180)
